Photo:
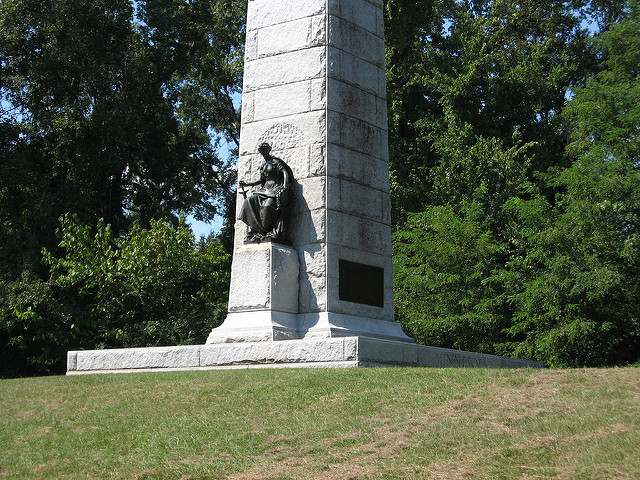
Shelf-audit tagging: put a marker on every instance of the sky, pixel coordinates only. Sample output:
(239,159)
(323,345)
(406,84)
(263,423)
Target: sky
(204,229)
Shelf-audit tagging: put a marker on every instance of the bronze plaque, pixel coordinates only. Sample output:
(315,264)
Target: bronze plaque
(359,283)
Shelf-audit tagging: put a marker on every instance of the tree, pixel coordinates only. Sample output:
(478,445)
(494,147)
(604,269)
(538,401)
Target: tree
(480,122)
(441,262)
(577,294)
(122,113)
(156,286)
(105,111)
(498,71)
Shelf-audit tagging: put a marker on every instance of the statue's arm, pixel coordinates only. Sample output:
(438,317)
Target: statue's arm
(286,179)
(249,184)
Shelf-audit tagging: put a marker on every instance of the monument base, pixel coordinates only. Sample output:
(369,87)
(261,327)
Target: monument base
(270,325)
(307,353)
(259,326)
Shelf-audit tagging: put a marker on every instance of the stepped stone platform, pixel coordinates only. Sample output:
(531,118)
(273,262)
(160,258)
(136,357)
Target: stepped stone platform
(342,352)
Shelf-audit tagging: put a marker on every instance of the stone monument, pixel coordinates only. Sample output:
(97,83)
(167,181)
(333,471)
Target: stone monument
(314,93)
(311,280)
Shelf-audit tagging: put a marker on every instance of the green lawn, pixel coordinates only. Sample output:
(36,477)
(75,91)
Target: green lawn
(397,423)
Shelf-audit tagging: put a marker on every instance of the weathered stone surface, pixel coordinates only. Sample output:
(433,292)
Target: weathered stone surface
(286,68)
(138,358)
(361,201)
(265,277)
(355,102)
(318,94)
(284,268)
(335,325)
(353,70)
(360,12)
(255,326)
(442,357)
(313,294)
(388,352)
(313,352)
(357,135)
(309,227)
(310,351)
(300,131)
(314,192)
(358,168)
(313,261)
(288,37)
(281,101)
(357,41)
(359,233)
(262,14)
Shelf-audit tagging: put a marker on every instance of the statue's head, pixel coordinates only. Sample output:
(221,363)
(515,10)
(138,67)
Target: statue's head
(264,149)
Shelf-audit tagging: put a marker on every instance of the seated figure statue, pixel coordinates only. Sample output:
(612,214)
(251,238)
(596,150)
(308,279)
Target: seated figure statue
(267,209)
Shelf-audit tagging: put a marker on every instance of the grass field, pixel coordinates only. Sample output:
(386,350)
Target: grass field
(324,424)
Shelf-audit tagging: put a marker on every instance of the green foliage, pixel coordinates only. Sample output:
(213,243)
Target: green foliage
(34,328)
(496,71)
(156,286)
(441,261)
(122,111)
(579,298)
(104,106)
(517,142)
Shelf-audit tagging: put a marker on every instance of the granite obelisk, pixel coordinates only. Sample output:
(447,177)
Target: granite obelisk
(311,281)
(314,91)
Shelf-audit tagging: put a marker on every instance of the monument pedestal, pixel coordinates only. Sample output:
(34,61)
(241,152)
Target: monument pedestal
(334,325)
(308,353)
(263,298)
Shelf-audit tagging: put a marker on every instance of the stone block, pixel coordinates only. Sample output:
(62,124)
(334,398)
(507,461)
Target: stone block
(337,325)
(327,349)
(256,326)
(312,193)
(251,46)
(283,69)
(313,294)
(358,167)
(390,352)
(444,358)
(248,107)
(360,12)
(358,233)
(313,261)
(250,280)
(297,158)
(296,352)
(357,41)
(354,102)
(350,69)
(317,160)
(308,227)
(318,94)
(293,131)
(265,13)
(281,101)
(360,200)
(138,358)
(386,209)
(290,36)
(357,135)
(264,276)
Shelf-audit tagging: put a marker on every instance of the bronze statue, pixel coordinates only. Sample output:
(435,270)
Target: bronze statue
(267,210)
